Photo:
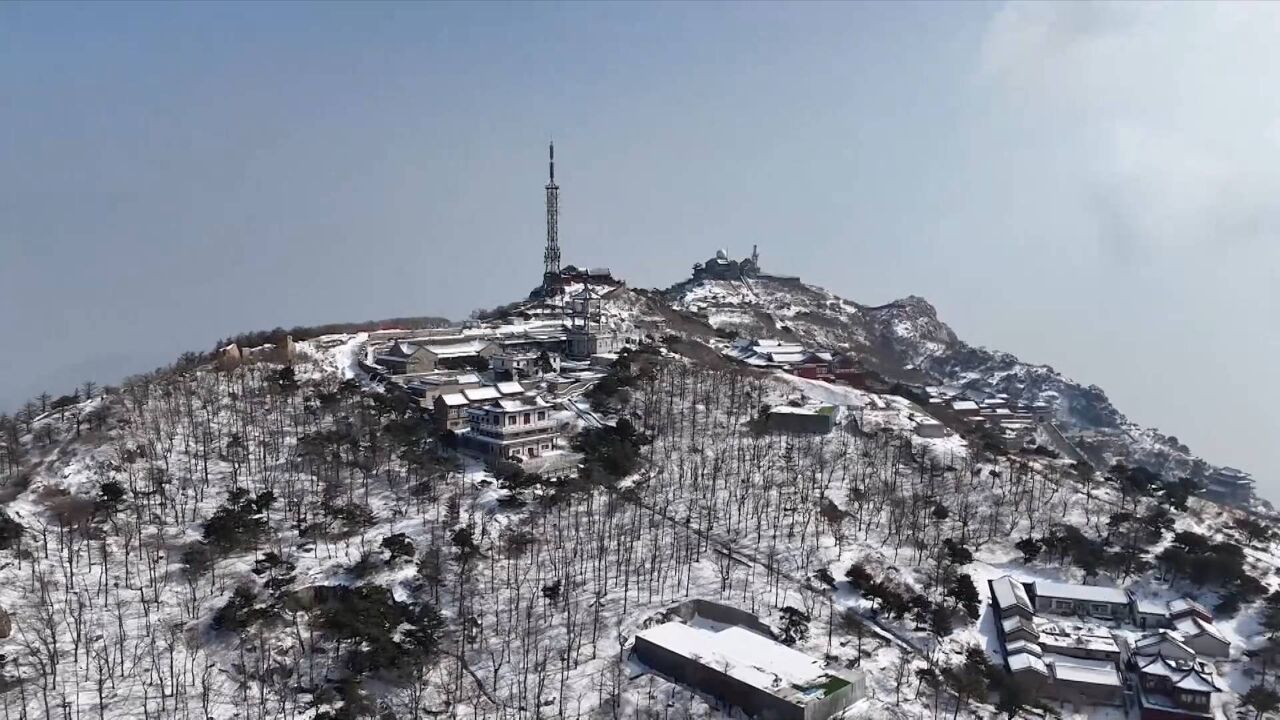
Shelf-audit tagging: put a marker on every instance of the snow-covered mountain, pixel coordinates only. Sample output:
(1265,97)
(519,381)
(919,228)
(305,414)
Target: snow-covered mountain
(905,340)
(285,533)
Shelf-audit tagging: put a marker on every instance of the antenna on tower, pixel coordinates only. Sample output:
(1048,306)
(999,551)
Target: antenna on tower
(551,255)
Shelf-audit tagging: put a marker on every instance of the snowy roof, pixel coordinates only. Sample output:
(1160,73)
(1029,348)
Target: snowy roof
(1023,646)
(1183,678)
(740,653)
(1146,606)
(517,404)
(1015,622)
(964,405)
(1152,643)
(1008,592)
(1093,672)
(1158,665)
(1085,593)
(787,357)
(808,410)
(1190,626)
(1100,643)
(445,378)
(510,388)
(1026,661)
(453,399)
(1187,605)
(1195,682)
(481,393)
(454,350)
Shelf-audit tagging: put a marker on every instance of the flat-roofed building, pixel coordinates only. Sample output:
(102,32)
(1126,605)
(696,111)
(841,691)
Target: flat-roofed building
(927,428)
(803,420)
(524,364)
(1149,613)
(738,667)
(1085,645)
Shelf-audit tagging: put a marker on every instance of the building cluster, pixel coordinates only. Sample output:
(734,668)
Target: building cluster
(720,267)
(733,660)
(499,385)
(1014,424)
(1229,486)
(798,359)
(1163,672)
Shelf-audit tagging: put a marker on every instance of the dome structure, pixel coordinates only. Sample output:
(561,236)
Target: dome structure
(722,255)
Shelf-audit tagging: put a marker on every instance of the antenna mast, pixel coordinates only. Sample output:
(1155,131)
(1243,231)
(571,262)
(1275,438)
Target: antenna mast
(551,256)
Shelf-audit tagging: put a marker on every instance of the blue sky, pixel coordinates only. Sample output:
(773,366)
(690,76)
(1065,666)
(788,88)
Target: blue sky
(1090,186)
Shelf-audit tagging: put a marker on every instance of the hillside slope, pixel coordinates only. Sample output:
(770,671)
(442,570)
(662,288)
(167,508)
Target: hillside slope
(271,540)
(905,340)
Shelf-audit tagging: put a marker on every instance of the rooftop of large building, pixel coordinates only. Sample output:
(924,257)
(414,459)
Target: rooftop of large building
(1084,593)
(750,658)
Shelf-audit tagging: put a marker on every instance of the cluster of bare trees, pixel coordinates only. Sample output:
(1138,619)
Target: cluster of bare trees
(183,563)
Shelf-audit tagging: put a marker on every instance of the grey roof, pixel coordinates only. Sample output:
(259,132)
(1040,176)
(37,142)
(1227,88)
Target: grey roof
(1152,643)
(1192,626)
(1187,605)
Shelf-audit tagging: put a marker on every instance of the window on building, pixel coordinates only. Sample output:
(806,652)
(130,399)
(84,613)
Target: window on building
(511,420)
(526,418)
(1100,608)
(1063,605)
(542,415)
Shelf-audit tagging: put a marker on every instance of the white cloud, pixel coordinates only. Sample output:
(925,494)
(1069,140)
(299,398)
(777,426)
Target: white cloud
(1174,104)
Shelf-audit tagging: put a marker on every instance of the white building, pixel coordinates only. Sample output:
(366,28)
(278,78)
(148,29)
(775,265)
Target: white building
(513,427)
(927,428)
(523,364)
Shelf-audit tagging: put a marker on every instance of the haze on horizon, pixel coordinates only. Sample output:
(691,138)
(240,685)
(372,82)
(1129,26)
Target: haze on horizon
(1085,185)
